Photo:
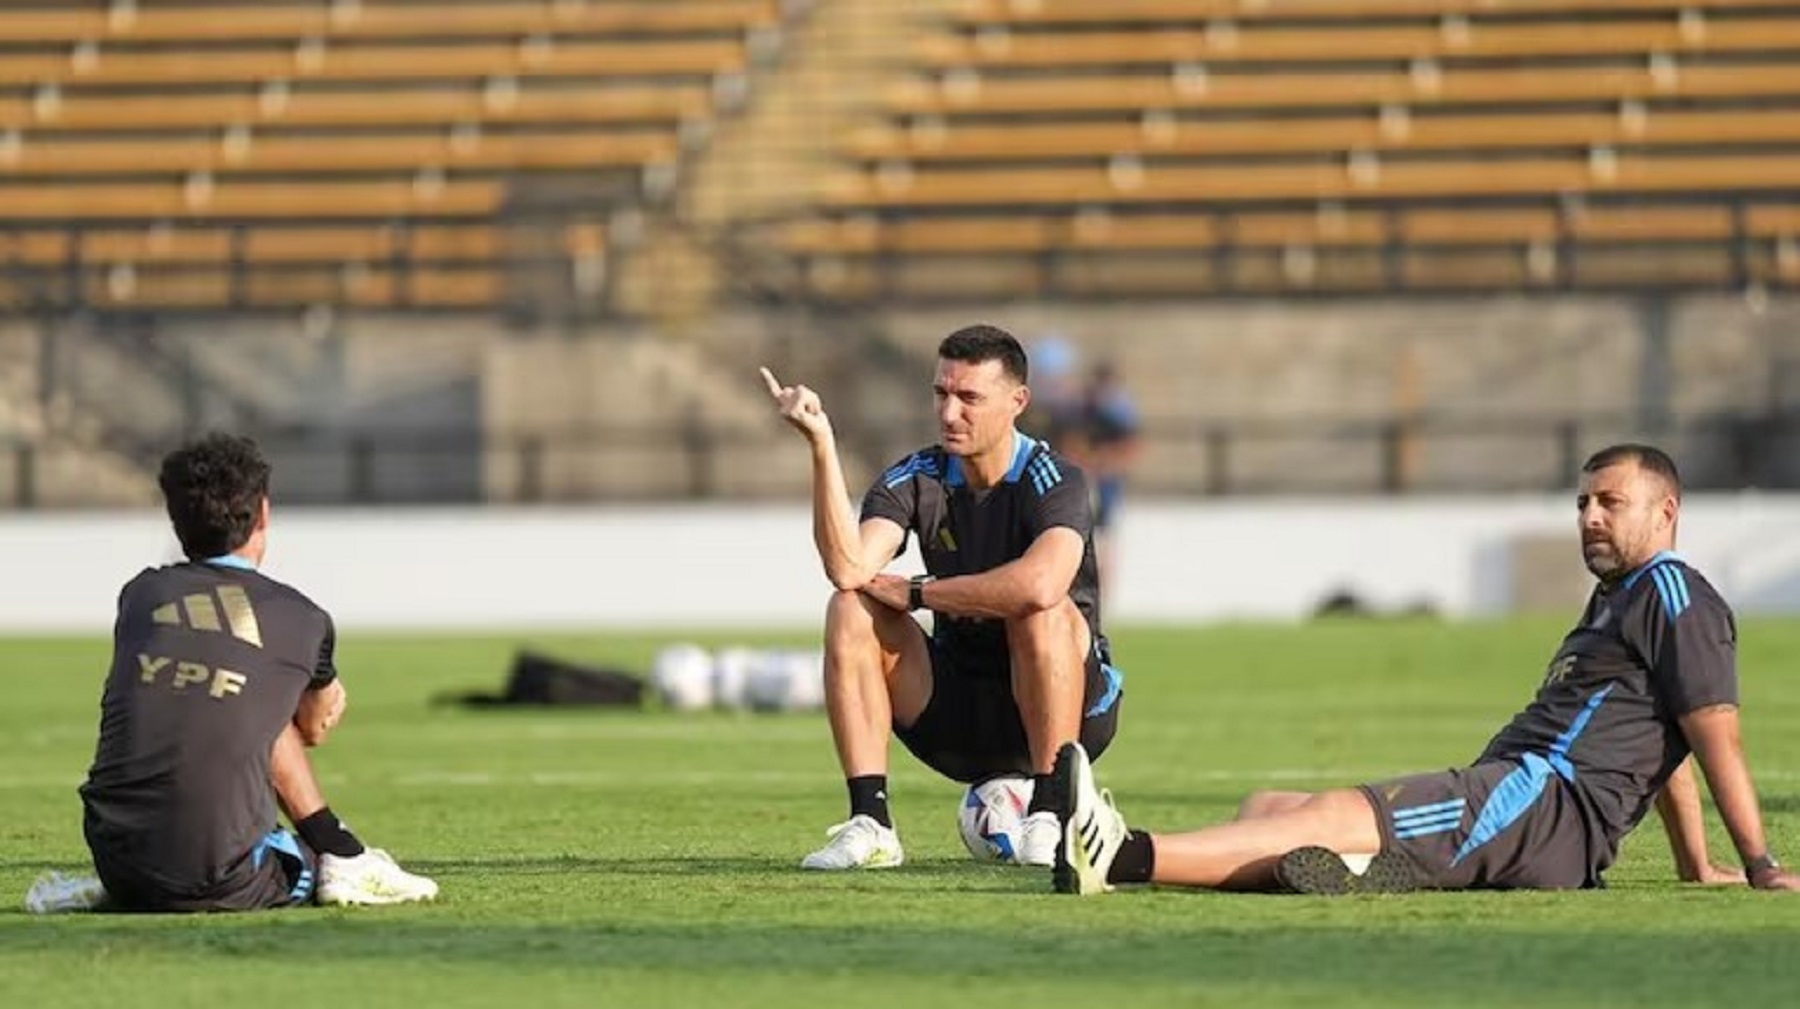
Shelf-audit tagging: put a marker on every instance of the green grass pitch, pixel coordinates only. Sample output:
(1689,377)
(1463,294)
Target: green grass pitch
(649,858)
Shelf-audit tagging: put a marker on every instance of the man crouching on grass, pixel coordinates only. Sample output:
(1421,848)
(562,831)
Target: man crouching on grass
(221,678)
(1015,663)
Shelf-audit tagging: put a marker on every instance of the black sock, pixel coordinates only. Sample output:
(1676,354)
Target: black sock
(868,797)
(324,833)
(1136,860)
(1043,799)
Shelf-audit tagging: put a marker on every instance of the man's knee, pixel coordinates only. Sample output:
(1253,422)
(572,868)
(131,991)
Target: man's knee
(1347,819)
(855,621)
(847,617)
(1054,627)
(1259,804)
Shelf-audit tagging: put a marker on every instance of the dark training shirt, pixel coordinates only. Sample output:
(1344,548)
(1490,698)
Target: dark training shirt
(963,531)
(209,663)
(1656,646)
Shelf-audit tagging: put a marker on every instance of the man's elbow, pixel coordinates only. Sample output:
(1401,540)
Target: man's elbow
(848,580)
(1039,594)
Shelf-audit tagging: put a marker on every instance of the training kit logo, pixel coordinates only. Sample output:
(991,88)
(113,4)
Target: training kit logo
(202,612)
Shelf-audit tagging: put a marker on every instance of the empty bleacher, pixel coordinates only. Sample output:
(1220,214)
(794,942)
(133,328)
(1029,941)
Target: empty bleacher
(241,154)
(1186,146)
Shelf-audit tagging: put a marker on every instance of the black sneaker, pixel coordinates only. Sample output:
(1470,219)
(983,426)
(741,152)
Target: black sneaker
(1322,871)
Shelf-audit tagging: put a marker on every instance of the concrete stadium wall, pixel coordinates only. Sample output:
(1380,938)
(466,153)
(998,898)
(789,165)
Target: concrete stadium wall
(1630,367)
(739,567)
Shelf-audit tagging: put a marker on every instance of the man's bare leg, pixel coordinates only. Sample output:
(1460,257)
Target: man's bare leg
(1257,805)
(349,872)
(1241,855)
(1049,678)
(877,671)
(291,773)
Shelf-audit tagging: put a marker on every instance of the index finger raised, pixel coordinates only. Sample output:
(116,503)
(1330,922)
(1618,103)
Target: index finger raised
(769,380)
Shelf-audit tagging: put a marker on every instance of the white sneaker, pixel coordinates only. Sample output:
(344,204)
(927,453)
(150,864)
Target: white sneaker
(1038,835)
(55,893)
(858,843)
(370,878)
(1092,829)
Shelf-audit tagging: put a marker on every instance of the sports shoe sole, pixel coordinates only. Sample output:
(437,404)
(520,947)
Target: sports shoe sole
(880,861)
(1315,870)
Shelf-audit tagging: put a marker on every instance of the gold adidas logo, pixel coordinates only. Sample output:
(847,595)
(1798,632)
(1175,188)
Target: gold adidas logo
(203,610)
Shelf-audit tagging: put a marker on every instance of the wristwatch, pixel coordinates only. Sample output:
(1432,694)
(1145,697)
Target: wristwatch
(1761,863)
(915,591)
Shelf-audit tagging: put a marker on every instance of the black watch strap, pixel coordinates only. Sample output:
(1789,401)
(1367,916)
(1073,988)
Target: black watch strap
(1761,863)
(915,591)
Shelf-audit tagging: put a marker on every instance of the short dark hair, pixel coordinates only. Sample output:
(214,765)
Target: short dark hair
(979,343)
(214,487)
(1648,458)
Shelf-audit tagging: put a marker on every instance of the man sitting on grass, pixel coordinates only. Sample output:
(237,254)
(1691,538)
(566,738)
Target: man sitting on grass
(221,677)
(1647,676)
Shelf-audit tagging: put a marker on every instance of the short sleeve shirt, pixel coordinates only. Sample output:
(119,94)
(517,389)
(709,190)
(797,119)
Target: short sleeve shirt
(963,531)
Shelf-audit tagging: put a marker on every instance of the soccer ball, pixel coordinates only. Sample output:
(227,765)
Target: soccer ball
(991,816)
(787,681)
(732,669)
(682,677)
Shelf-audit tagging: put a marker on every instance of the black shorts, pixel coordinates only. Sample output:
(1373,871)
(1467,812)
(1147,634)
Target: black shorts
(1499,826)
(279,871)
(970,730)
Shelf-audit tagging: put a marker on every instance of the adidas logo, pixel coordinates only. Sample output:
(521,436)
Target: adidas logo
(1090,838)
(202,611)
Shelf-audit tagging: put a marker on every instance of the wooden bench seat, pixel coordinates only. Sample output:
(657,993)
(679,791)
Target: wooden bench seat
(1126,94)
(334,154)
(1329,227)
(234,199)
(1009,142)
(375,63)
(268,243)
(1394,180)
(370,108)
(375,20)
(1345,44)
(472,287)
(980,13)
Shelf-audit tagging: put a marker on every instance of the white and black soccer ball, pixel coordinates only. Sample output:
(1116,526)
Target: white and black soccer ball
(992,816)
(682,677)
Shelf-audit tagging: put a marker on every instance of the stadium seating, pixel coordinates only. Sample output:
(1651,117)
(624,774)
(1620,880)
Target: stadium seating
(977,13)
(282,22)
(243,154)
(1051,135)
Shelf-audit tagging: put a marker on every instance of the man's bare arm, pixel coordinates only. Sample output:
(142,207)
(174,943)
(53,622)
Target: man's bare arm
(851,554)
(1678,804)
(319,712)
(1037,581)
(1713,733)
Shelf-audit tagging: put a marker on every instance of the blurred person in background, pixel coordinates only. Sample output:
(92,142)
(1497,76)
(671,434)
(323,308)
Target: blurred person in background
(1015,664)
(1058,411)
(1648,676)
(221,678)
(1110,449)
